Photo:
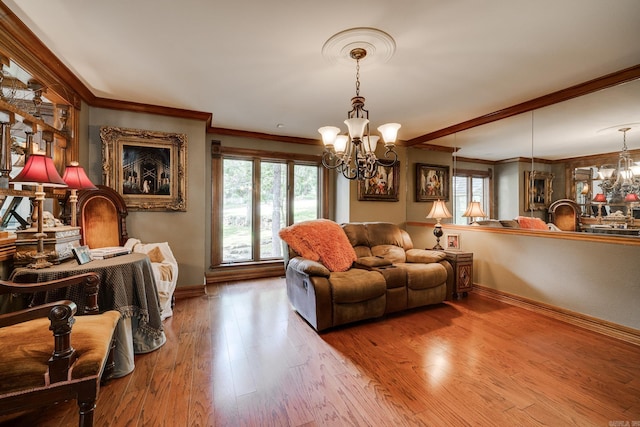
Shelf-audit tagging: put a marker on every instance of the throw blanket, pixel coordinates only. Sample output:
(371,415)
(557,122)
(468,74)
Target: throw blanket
(321,240)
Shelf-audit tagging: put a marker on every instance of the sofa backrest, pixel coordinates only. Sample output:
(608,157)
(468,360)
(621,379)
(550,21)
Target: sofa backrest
(378,239)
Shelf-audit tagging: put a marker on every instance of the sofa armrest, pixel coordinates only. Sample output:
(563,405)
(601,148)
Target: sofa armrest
(425,256)
(306,266)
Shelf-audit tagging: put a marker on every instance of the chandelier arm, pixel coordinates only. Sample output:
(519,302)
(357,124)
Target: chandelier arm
(330,160)
(388,161)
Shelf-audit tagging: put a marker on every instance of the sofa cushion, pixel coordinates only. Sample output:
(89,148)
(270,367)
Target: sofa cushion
(383,233)
(425,256)
(357,234)
(321,240)
(424,276)
(391,252)
(372,261)
(356,285)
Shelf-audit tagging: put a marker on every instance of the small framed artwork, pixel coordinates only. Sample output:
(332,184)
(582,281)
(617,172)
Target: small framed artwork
(147,168)
(453,241)
(538,190)
(383,187)
(432,182)
(82,254)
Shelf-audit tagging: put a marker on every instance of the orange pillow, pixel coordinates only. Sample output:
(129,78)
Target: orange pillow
(321,240)
(532,223)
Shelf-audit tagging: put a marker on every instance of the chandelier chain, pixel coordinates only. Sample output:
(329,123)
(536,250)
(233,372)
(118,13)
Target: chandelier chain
(358,77)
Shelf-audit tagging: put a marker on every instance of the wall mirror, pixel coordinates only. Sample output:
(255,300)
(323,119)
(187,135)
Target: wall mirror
(33,119)
(571,139)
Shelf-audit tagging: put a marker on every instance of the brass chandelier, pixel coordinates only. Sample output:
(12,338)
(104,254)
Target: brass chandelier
(353,155)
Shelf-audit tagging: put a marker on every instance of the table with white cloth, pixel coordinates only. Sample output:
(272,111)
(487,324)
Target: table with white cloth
(127,285)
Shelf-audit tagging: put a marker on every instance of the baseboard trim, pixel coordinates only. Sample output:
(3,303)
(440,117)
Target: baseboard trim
(182,292)
(603,327)
(247,272)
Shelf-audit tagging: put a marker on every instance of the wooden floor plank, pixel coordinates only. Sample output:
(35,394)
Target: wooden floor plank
(241,356)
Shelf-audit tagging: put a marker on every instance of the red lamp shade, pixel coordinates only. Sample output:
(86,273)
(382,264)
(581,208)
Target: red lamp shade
(76,178)
(632,198)
(39,170)
(600,198)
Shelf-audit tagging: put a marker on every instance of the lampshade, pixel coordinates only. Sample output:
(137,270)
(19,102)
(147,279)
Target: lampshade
(329,134)
(632,198)
(76,178)
(356,127)
(370,143)
(600,198)
(39,170)
(474,210)
(439,210)
(389,132)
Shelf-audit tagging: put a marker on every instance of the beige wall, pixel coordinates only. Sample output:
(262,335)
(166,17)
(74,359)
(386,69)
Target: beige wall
(592,278)
(186,232)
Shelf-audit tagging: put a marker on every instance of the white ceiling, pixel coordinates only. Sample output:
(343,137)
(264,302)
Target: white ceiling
(257,64)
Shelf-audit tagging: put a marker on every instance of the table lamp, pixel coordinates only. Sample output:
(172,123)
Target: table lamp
(600,200)
(76,179)
(474,210)
(40,171)
(438,211)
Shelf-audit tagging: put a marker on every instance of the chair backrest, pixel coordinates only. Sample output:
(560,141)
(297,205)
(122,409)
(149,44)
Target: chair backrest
(565,214)
(102,217)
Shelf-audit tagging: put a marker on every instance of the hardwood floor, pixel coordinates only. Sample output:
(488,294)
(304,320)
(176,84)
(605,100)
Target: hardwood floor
(240,356)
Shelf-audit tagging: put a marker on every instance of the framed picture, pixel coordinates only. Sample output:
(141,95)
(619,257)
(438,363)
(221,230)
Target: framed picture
(453,241)
(538,190)
(382,187)
(82,254)
(147,168)
(432,182)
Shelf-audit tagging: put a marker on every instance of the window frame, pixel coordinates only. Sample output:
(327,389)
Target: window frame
(469,174)
(219,153)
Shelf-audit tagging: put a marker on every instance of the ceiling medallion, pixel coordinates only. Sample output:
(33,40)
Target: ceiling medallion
(379,46)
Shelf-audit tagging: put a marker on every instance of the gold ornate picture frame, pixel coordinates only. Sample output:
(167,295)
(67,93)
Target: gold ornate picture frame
(538,188)
(383,187)
(147,168)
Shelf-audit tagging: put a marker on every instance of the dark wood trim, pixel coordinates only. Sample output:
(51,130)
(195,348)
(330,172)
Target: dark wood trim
(263,136)
(232,273)
(585,88)
(137,107)
(183,292)
(609,329)
(270,155)
(473,172)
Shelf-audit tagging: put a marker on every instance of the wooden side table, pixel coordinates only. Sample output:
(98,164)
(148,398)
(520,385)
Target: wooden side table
(462,263)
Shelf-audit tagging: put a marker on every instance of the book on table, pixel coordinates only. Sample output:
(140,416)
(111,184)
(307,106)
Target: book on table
(109,252)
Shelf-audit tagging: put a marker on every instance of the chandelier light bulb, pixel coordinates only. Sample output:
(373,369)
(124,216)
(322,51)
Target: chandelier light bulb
(370,143)
(356,127)
(340,143)
(329,134)
(389,132)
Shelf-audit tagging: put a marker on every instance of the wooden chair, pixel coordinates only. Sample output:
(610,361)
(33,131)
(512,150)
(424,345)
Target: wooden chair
(49,356)
(102,217)
(565,214)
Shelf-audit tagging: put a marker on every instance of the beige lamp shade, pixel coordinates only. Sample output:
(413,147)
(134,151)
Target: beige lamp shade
(474,210)
(439,210)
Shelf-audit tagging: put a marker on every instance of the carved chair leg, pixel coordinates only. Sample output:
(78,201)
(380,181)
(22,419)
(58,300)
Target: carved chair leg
(86,413)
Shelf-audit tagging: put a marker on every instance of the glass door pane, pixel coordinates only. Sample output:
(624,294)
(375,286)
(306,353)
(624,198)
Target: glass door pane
(273,191)
(237,208)
(306,193)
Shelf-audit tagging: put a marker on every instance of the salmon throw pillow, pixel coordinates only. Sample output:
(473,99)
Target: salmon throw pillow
(321,240)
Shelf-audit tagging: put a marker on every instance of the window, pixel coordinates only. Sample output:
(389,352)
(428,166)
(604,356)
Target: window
(470,186)
(260,194)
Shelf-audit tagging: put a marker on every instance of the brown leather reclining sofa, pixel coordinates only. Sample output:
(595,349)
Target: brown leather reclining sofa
(388,276)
